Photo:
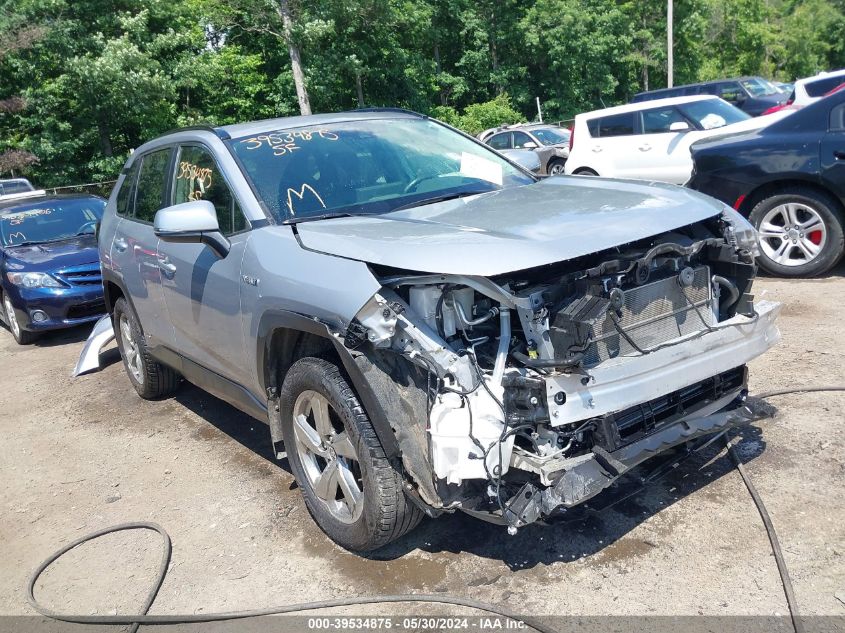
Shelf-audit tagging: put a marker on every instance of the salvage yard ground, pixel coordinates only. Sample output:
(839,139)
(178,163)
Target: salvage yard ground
(81,454)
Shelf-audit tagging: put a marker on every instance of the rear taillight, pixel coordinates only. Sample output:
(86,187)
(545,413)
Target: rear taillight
(571,136)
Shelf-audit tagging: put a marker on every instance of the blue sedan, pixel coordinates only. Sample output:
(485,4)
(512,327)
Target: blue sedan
(49,267)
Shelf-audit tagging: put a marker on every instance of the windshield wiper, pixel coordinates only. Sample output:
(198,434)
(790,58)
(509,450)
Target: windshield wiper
(443,198)
(322,216)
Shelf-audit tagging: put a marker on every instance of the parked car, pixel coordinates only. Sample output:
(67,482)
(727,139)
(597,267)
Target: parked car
(49,265)
(753,95)
(549,142)
(792,105)
(811,89)
(651,140)
(14,185)
(426,327)
(785,88)
(525,158)
(789,180)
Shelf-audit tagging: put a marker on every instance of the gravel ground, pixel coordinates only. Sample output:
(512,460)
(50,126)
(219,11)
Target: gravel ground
(82,454)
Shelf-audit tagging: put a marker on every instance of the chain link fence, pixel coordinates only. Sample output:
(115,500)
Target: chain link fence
(102,189)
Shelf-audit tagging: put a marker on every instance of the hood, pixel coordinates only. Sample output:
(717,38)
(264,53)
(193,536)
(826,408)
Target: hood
(513,229)
(53,256)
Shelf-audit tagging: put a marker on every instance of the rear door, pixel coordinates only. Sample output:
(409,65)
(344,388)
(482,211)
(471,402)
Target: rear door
(833,152)
(613,144)
(202,290)
(133,250)
(663,154)
(501,141)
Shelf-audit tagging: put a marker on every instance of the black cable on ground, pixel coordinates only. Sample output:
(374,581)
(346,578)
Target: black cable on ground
(788,591)
(167,549)
(144,618)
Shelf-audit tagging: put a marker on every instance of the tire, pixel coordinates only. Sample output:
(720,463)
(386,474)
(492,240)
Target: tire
(787,248)
(150,378)
(21,336)
(339,449)
(584,171)
(556,167)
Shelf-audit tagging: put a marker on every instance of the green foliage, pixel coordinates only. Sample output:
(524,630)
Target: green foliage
(478,117)
(85,81)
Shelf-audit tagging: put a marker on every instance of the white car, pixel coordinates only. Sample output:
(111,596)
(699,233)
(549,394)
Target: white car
(651,140)
(812,89)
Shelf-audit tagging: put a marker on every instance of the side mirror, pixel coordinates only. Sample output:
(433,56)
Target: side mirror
(529,145)
(191,222)
(679,126)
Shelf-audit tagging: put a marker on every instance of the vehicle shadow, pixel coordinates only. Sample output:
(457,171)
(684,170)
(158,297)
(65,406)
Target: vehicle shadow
(54,338)
(586,530)
(591,528)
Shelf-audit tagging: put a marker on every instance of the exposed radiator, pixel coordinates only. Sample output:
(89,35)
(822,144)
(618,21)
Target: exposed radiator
(651,314)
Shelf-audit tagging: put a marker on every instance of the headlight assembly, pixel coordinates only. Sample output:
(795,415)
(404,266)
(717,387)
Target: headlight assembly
(34,280)
(741,232)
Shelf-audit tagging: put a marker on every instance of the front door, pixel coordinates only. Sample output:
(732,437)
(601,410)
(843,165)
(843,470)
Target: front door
(202,290)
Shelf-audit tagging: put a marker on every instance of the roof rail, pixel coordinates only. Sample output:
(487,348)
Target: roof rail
(387,109)
(218,132)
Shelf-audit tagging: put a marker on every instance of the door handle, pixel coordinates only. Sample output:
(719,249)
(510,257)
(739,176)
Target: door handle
(645,148)
(596,148)
(120,245)
(166,267)
(839,154)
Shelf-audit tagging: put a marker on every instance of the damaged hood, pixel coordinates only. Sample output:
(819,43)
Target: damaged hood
(513,229)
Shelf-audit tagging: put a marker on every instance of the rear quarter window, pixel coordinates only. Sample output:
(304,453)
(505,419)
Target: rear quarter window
(613,125)
(820,87)
(125,197)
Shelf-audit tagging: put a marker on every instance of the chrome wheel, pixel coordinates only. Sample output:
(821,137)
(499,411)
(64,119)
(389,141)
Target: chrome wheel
(134,362)
(792,234)
(557,169)
(10,316)
(327,456)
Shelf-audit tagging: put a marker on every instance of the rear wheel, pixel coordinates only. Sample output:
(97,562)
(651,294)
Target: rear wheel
(801,233)
(556,167)
(150,378)
(21,336)
(584,171)
(352,490)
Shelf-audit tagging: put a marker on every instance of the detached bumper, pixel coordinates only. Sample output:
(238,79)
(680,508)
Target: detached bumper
(585,476)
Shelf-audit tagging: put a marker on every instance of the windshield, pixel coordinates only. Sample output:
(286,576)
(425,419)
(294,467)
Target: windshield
(710,114)
(50,220)
(551,135)
(368,166)
(759,87)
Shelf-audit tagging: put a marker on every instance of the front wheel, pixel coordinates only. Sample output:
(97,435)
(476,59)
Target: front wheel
(556,167)
(352,490)
(800,232)
(584,171)
(21,336)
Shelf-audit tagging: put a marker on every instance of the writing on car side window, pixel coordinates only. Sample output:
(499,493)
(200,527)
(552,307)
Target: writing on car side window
(197,177)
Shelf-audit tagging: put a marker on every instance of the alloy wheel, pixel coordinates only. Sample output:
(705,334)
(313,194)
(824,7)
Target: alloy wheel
(328,456)
(10,316)
(792,234)
(557,170)
(134,362)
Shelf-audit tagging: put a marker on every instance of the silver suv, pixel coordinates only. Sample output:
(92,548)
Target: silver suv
(425,326)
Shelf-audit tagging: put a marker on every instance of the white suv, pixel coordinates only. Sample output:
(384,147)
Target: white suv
(651,139)
(812,89)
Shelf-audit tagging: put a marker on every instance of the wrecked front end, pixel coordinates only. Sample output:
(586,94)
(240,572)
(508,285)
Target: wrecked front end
(519,395)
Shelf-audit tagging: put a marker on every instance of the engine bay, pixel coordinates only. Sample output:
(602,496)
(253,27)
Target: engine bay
(532,373)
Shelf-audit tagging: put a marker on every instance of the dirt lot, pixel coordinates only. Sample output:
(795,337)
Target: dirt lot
(81,454)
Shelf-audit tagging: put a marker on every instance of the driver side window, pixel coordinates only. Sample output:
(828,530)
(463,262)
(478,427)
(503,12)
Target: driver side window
(520,139)
(197,177)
